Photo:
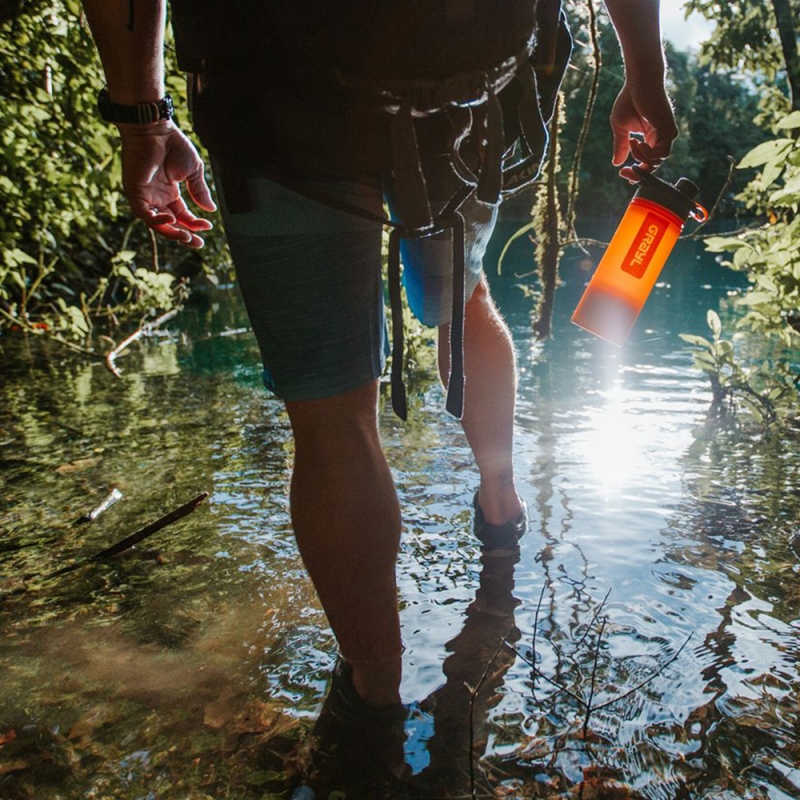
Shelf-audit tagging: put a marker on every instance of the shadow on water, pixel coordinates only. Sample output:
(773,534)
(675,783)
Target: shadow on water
(195,664)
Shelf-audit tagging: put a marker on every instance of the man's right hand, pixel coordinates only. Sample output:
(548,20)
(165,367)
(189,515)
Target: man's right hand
(156,160)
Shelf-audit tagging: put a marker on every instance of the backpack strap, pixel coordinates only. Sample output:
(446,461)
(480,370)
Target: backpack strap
(490,183)
(449,218)
(537,85)
(455,383)
(412,192)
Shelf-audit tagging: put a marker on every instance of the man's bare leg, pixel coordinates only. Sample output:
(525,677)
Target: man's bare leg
(346,518)
(489,401)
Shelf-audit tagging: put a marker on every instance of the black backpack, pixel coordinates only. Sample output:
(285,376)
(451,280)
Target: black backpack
(392,83)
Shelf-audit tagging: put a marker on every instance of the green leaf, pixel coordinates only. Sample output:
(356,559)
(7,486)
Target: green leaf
(791,121)
(766,281)
(789,190)
(766,151)
(718,244)
(17,256)
(714,323)
(705,362)
(772,170)
(17,278)
(755,299)
(722,348)
(698,341)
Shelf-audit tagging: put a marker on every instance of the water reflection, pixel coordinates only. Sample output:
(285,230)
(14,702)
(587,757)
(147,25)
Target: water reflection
(457,711)
(198,663)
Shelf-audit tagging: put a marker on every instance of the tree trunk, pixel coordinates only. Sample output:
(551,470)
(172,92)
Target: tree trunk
(548,250)
(786,31)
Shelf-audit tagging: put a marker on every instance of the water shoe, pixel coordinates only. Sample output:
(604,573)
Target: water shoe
(499,537)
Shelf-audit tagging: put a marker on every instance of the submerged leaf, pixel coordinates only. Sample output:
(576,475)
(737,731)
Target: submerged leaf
(7,737)
(78,466)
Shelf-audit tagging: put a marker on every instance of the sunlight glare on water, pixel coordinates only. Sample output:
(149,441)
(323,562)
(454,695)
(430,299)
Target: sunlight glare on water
(613,445)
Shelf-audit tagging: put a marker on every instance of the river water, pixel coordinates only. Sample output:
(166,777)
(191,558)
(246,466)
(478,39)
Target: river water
(193,665)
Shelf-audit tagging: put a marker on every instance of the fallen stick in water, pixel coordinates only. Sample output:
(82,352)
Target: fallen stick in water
(114,496)
(145,330)
(139,536)
(122,545)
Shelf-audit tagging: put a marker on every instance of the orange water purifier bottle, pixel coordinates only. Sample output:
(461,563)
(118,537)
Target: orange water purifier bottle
(634,258)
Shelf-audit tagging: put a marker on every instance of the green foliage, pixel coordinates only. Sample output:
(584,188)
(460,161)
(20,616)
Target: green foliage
(770,256)
(745,40)
(745,36)
(69,253)
(766,390)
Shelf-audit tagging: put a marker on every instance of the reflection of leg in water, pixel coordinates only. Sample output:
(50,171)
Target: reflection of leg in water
(490,619)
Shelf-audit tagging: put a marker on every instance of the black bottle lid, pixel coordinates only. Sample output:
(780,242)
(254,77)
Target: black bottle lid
(678,198)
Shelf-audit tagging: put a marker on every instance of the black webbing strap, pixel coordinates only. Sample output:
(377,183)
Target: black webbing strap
(449,219)
(398,345)
(455,384)
(411,191)
(491,179)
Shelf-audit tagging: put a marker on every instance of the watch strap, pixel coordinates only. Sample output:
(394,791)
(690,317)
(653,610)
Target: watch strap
(140,113)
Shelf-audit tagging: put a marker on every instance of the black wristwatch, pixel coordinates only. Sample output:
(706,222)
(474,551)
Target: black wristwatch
(142,113)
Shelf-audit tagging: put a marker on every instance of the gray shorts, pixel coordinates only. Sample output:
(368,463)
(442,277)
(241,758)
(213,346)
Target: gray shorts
(311,280)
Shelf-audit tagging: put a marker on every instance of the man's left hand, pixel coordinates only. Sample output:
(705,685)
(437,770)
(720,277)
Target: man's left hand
(642,107)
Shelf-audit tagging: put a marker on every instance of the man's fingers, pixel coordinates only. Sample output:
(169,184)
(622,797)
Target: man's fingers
(631,176)
(660,140)
(199,191)
(151,216)
(176,223)
(621,145)
(180,235)
(185,217)
(645,154)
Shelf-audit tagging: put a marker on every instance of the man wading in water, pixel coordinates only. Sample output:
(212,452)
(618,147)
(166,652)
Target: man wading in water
(314,113)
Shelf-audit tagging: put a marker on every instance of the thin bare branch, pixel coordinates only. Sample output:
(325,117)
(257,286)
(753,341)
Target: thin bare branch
(53,337)
(153,249)
(644,683)
(589,708)
(533,642)
(594,618)
(548,679)
(121,546)
(145,330)
(149,530)
(472,698)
